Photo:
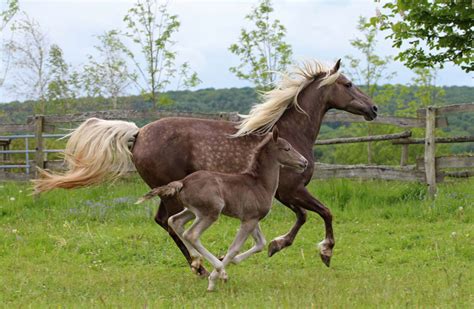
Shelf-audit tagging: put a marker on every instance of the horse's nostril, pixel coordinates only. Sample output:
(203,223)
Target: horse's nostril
(374,108)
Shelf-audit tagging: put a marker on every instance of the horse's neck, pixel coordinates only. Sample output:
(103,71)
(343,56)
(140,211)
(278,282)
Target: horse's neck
(265,168)
(301,129)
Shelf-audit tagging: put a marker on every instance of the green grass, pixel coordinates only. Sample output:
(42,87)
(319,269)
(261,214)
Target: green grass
(93,247)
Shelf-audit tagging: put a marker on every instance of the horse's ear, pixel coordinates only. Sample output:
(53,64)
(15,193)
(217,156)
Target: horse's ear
(336,66)
(275,134)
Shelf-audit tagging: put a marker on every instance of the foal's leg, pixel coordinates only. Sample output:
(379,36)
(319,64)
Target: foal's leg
(166,210)
(259,245)
(193,234)
(246,227)
(177,223)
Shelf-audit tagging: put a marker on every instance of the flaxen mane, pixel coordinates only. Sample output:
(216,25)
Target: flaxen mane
(263,116)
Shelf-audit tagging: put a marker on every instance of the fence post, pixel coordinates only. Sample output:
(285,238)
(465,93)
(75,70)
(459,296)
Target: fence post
(404,157)
(39,155)
(430,151)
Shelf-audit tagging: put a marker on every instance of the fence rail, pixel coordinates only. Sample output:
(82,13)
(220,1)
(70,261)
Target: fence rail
(428,169)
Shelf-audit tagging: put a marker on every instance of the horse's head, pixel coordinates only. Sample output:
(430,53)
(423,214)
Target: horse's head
(286,155)
(342,94)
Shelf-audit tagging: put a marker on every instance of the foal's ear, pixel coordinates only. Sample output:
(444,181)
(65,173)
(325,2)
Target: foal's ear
(275,134)
(336,66)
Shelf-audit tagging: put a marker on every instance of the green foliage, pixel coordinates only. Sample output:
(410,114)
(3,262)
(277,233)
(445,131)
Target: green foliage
(8,12)
(368,72)
(151,27)
(107,74)
(262,50)
(62,87)
(27,53)
(371,69)
(429,33)
(94,248)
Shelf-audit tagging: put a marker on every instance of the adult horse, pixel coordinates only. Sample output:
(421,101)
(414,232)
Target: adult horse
(171,148)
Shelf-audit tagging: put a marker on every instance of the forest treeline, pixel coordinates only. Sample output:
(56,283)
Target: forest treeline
(212,100)
(392,100)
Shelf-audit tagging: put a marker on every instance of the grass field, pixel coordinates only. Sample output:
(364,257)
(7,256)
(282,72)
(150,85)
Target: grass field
(93,247)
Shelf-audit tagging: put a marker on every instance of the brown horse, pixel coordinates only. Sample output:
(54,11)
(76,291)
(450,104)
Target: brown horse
(247,196)
(171,148)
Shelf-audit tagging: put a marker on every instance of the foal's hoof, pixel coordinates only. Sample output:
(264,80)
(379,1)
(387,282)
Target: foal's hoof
(326,259)
(223,276)
(274,246)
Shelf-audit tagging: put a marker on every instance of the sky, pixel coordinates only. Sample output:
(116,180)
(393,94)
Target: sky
(320,29)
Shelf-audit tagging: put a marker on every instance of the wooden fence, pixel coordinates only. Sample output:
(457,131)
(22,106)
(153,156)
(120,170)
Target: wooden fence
(429,169)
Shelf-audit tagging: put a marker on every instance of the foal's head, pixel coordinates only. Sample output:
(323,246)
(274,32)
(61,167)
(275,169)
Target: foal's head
(285,154)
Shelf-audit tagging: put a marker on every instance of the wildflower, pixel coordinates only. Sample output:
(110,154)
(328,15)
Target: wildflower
(12,198)
(454,234)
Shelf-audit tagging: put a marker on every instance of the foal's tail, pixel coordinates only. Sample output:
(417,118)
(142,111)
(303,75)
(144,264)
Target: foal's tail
(166,191)
(97,150)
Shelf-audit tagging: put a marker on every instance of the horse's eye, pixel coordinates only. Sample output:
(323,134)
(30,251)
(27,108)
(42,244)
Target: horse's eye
(287,149)
(348,85)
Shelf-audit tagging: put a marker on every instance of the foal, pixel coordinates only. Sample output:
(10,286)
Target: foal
(247,196)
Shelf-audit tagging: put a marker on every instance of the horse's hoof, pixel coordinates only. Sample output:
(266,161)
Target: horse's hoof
(202,272)
(274,247)
(326,259)
(198,269)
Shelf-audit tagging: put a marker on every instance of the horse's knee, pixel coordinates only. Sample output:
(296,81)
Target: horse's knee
(303,216)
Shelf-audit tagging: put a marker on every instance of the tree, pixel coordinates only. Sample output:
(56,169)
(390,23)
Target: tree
(427,93)
(372,68)
(152,27)
(107,74)
(63,85)
(7,13)
(369,71)
(429,33)
(262,49)
(29,50)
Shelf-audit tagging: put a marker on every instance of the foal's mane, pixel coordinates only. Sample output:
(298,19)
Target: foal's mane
(254,164)
(263,116)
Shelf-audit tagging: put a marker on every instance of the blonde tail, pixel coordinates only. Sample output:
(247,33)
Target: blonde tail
(97,150)
(168,190)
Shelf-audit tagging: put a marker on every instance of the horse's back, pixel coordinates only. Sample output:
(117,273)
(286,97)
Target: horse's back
(171,148)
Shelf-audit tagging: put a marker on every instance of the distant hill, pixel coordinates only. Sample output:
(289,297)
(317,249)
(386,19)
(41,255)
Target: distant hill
(241,99)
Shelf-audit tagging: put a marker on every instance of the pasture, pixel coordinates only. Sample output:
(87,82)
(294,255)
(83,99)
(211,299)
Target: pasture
(94,247)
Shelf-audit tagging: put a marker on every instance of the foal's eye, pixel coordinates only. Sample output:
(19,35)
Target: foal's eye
(348,85)
(287,149)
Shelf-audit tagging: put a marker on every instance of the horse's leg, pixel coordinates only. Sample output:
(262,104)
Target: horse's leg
(260,243)
(307,201)
(177,222)
(164,212)
(286,240)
